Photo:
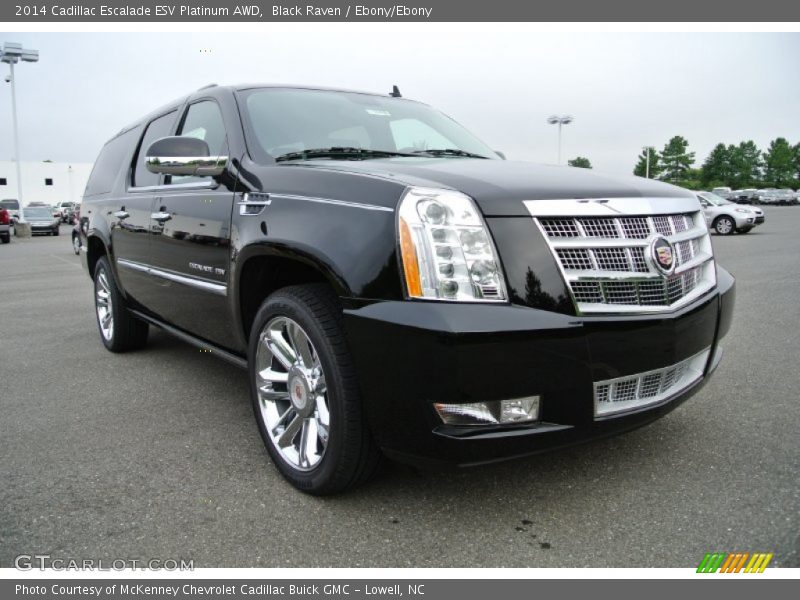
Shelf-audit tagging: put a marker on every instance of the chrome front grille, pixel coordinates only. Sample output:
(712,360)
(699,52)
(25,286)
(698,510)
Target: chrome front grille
(607,260)
(642,389)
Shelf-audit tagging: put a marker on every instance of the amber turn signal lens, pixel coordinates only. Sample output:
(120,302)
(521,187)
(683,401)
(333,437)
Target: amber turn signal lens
(410,263)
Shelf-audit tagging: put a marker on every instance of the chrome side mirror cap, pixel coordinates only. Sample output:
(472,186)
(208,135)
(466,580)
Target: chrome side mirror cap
(182,155)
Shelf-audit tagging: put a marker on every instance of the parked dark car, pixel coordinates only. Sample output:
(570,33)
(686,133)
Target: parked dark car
(392,286)
(41,220)
(5,225)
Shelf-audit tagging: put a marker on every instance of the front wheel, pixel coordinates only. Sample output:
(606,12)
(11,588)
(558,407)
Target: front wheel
(119,329)
(76,244)
(305,396)
(724,225)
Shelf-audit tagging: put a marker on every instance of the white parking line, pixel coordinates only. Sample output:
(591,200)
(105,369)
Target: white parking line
(69,262)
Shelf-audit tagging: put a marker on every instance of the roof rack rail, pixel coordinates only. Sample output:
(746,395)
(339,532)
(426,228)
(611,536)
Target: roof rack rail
(205,87)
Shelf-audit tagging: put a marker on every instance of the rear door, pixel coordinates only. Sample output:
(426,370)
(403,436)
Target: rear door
(190,238)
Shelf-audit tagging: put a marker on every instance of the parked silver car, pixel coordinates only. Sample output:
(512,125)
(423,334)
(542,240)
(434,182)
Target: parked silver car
(768,196)
(726,217)
(41,220)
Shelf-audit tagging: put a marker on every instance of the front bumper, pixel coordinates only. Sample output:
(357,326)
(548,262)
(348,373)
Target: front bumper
(40,228)
(409,355)
(745,221)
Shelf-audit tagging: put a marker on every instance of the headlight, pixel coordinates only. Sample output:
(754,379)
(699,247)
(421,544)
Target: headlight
(742,210)
(446,250)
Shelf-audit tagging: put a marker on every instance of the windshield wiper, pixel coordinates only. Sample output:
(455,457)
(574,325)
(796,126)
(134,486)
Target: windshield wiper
(449,152)
(338,152)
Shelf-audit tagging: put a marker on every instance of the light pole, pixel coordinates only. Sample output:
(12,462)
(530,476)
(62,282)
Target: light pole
(647,162)
(12,53)
(562,120)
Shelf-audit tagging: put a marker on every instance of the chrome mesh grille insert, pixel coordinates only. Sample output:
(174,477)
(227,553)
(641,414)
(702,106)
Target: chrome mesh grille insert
(642,389)
(608,263)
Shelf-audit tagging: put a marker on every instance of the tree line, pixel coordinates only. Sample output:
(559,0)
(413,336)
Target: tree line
(737,166)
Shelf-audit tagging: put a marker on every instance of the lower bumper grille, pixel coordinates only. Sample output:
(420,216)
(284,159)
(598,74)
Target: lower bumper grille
(632,392)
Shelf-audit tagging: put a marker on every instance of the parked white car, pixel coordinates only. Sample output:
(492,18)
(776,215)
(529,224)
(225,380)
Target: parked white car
(723,192)
(726,217)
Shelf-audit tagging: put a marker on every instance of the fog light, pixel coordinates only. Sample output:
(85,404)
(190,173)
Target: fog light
(497,412)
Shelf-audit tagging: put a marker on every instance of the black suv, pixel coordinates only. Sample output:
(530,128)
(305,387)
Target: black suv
(393,286)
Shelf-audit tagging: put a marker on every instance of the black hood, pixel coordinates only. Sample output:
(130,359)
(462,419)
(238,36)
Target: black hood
(500,186)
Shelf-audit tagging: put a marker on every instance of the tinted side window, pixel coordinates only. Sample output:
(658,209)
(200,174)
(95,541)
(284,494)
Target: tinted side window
(204,121)
(113,157)
(158,128)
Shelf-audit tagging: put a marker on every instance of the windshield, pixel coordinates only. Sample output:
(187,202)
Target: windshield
(284,120)
(37,213)
(10,204)
(714,199)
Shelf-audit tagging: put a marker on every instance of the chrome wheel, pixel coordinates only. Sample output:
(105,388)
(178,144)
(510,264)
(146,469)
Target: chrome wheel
(76,244)
(724,226)
(104,307)
(292,393)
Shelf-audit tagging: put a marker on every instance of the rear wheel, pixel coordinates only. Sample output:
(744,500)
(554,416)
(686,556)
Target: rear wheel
(76,244)
(119,329)
(724,225)
(5,238)
(305,395)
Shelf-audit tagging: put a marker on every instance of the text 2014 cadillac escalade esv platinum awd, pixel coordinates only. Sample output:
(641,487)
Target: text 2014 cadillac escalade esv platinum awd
(392,285)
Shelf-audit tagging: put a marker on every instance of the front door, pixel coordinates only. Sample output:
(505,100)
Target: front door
(190,239)
(129,217)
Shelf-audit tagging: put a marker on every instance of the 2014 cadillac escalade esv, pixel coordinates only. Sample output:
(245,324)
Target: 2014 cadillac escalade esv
(392,285)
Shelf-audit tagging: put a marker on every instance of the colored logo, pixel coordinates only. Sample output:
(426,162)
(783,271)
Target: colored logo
(735,562)
(663,255)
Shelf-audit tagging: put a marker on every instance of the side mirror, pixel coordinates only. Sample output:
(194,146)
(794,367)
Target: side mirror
(181,155)
(500,154)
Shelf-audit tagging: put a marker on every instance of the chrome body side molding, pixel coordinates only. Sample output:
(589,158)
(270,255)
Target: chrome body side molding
(202,284)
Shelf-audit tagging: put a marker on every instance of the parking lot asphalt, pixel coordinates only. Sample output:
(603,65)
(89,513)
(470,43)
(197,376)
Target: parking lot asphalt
(155,454)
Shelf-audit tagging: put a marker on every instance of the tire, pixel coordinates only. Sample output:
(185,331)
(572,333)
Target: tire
(76,244)
(725,225)
(56,232)
(123,331)
(341,454)
(6,238)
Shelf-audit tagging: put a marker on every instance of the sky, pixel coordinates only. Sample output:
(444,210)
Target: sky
(625,90)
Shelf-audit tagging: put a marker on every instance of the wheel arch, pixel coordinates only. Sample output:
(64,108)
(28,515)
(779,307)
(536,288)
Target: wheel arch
(265,268)
(95,248)
(721,216)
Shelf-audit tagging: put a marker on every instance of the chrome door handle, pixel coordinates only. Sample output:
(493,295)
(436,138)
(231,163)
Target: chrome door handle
(122,214)
(160,216)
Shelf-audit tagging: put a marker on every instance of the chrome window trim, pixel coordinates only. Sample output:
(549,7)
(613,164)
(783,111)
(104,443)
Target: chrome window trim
(191,185)
(202,284)
(332,201)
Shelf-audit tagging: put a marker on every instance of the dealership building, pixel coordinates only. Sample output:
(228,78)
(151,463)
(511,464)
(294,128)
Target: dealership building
(48,182)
